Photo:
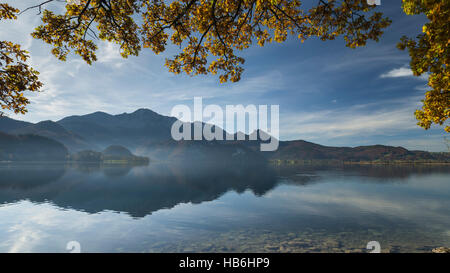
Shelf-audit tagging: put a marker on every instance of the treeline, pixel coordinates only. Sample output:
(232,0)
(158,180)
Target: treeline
(104,157)
(342,162)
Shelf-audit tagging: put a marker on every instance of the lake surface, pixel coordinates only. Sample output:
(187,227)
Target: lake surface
(221,208)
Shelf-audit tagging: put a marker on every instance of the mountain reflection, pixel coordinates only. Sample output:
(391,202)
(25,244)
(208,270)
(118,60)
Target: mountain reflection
(135,190)
(141,190)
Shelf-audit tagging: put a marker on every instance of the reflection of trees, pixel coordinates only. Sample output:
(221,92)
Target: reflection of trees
(17,181)
(86,167)
(110,170)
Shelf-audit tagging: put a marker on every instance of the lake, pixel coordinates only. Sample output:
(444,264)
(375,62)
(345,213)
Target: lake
(211,207)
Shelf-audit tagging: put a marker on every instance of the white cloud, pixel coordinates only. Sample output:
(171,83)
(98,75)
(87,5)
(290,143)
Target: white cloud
(401,73)
(344,123)
(398,72)
(350,121)
(109,54)
(424,87)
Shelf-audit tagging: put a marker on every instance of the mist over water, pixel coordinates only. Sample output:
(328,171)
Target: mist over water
(223,207)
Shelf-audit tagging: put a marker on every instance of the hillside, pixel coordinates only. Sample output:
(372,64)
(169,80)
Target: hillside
(130,130)
(48,129)
(31,148)
(54,131)
(303,150)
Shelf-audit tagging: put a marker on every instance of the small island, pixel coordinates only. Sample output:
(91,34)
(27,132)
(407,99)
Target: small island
(114,154)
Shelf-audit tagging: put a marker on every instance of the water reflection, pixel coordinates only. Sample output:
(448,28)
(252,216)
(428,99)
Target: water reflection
(139,191)
(223,207)
(377,172)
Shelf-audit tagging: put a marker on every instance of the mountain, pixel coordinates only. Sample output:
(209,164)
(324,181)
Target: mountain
(31,148)
(54,131)
(148,133)
(130,130)
(9,124)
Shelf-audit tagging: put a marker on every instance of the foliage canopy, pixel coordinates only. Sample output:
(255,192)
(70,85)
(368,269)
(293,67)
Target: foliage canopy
(209,33)
(430,53)
(15,75)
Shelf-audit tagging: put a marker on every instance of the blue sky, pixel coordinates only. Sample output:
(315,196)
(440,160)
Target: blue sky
(328,94)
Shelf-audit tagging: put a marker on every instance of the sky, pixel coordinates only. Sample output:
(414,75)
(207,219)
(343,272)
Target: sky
(328,94)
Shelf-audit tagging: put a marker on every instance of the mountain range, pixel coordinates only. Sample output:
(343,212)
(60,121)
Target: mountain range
(148,133)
